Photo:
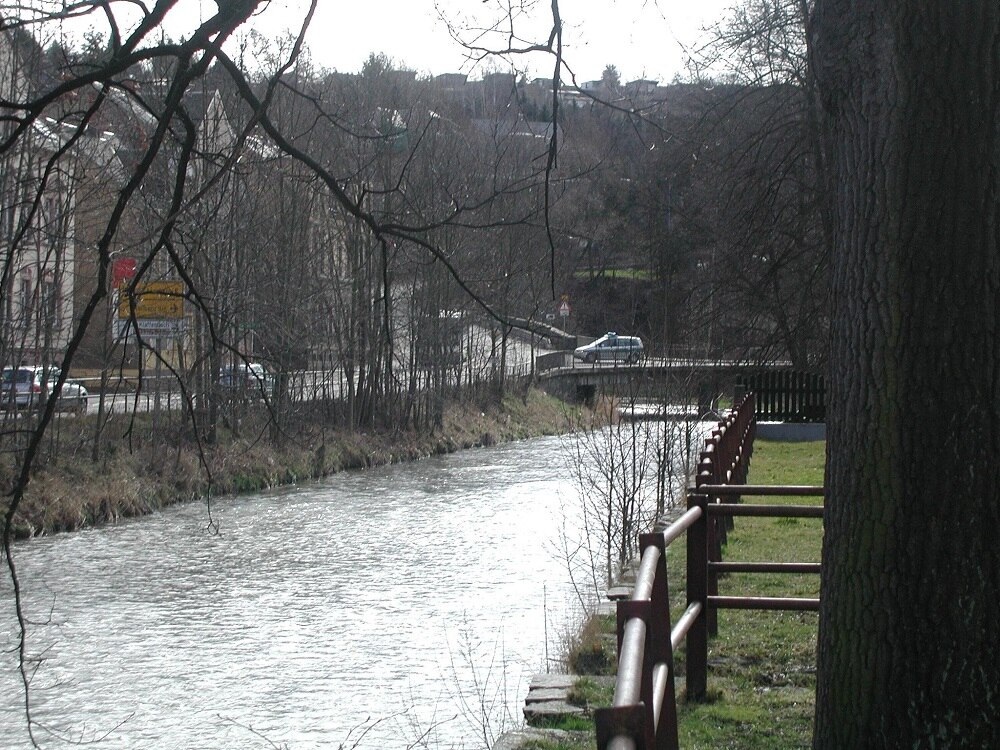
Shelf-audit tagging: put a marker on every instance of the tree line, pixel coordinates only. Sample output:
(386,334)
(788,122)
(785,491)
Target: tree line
(343,223)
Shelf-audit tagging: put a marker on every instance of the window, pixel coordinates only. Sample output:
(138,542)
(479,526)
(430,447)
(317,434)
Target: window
(49,303)
(27,301)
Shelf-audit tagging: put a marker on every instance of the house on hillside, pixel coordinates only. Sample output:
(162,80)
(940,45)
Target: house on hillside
(641,89)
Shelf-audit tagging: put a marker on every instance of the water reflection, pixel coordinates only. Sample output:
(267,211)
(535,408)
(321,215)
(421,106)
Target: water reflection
(318,614)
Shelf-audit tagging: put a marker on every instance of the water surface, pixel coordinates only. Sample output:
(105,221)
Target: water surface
(351,610)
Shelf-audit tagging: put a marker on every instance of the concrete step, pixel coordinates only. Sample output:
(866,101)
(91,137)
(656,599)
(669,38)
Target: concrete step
(544,695)
(546,699)
(616,593)
(547,680)
(549,710)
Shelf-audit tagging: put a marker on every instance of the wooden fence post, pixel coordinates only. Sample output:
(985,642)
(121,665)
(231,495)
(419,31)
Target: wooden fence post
(715,533)
(697,591)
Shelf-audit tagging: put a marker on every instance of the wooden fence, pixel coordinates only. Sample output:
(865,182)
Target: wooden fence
(786,395)
(643,713)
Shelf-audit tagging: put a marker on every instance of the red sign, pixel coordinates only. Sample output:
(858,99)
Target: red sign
(122,270)
(564,309)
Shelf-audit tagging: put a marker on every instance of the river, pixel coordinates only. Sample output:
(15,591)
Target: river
(404,606)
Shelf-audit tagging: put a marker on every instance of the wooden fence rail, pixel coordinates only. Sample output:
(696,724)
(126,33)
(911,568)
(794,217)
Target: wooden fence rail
(643,714)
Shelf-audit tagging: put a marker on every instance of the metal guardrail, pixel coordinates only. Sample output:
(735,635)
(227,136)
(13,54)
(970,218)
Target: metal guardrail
(300,385)
(643,713)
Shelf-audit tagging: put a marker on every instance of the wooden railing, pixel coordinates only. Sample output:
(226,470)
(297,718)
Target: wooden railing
(704,564)
(787,395)
(643,713)
(726,461)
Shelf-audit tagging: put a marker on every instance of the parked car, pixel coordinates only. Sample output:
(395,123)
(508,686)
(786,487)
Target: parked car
(246,378)
(611,348)
(29,386)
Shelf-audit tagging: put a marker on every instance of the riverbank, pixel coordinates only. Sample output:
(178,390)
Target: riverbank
(133,474)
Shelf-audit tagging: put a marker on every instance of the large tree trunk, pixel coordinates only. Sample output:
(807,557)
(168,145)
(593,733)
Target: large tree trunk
(909,653)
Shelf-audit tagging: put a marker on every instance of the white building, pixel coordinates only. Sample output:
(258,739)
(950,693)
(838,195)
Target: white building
(37,230)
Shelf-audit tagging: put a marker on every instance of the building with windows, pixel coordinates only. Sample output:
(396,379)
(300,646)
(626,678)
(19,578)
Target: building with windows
(37,226)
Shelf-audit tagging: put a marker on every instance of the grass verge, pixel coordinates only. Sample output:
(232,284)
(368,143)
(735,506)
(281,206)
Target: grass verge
(762,665)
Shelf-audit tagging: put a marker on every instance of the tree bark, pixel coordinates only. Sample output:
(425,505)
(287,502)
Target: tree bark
(908,653)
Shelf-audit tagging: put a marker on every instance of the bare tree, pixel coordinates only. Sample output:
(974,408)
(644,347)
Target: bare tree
(761,134)
(629,471)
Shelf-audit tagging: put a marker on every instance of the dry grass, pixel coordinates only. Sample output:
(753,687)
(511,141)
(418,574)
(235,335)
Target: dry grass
(136,473)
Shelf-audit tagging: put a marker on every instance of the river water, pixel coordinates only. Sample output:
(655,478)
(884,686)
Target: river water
(398,607)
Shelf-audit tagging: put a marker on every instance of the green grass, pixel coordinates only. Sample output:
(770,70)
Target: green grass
(761,676)
(567,724)
(787,463)
(589,692)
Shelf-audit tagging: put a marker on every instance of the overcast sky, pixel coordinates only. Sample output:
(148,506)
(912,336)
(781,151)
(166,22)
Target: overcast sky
(644,39)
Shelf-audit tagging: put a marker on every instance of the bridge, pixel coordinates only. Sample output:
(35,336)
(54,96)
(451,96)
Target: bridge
(783,394)
(703,379)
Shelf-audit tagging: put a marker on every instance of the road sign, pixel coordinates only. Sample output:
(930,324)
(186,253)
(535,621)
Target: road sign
(157,307)
(122,270)
(149,329)
(564,308)
(161,327)
(160,300)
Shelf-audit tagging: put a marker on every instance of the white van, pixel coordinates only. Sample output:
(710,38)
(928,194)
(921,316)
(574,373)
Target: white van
(611,348)
(246,378)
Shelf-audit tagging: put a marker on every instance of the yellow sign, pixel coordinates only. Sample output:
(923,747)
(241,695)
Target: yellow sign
(162,300)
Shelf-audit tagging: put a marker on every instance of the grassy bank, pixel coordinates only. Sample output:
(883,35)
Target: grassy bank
(762,665)
(136,473)
(761,677)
